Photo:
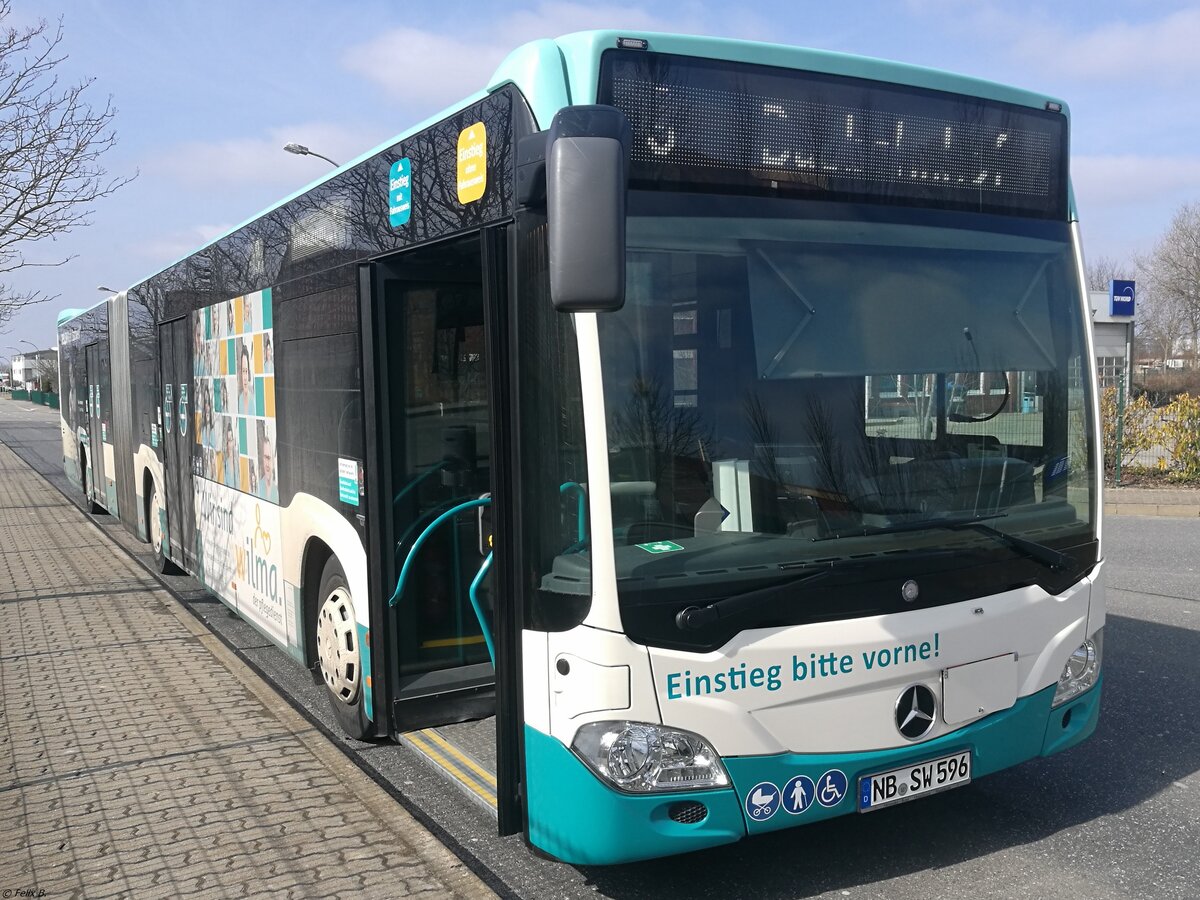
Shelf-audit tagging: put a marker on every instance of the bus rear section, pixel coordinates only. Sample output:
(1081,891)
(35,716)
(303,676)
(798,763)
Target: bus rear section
(95,413)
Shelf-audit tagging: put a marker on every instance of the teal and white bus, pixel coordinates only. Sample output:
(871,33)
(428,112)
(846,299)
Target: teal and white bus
(700,430)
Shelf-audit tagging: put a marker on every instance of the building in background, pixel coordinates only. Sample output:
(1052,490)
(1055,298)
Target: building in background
(36,371)
(1112,335)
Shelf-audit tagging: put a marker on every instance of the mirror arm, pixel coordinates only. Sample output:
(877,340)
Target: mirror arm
(531,170)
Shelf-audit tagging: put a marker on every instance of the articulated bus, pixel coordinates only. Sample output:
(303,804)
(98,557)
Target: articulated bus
(701,430)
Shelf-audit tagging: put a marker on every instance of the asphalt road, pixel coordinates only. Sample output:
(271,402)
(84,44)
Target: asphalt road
(1118,816)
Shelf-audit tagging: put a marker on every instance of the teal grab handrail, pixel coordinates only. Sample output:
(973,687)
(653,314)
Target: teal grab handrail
(412,484)
(475,583)
(424,535)
(581,512)
(473,593)
(412,526)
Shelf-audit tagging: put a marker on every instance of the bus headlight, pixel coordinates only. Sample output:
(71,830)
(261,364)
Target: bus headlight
(637,756)
(1081,671)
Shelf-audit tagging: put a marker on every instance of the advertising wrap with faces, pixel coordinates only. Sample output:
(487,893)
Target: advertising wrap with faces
(234,384)
(238,521)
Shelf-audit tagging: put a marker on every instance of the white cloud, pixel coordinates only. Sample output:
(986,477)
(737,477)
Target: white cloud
(422,68)
(1073,42)
(1164,49)
(1126,200)
(431,69)
(1112,180)
(260,159)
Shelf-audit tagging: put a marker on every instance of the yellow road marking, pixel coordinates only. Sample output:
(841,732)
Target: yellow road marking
(460,756)
(429,751)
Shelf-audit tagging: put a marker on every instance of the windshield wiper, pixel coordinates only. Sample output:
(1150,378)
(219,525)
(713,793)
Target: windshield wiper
(1047,556)
(1052,559)
(696,617)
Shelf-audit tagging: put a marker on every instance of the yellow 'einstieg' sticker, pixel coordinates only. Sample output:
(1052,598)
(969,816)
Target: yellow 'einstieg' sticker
(472,163)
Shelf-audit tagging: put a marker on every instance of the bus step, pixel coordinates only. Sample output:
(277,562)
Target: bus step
(466,766)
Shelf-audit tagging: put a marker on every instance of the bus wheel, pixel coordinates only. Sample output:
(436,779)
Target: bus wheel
(154,517)
(338,657)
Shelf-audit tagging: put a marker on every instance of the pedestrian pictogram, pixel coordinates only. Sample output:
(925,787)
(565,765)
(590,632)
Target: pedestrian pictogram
(799,794)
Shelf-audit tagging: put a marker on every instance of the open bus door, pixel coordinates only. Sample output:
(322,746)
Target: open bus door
(175,374)
(95,474)
(434,353)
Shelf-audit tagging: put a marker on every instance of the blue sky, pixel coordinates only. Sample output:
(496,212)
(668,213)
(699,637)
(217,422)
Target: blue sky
(208,93)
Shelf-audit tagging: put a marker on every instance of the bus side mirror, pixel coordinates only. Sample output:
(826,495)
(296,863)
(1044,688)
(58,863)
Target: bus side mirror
(587,169)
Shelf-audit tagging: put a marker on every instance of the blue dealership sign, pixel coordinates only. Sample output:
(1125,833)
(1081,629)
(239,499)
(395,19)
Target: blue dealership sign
(1121,298)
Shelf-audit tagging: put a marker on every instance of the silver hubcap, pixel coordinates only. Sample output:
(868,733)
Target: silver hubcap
(155,522)
(337,645)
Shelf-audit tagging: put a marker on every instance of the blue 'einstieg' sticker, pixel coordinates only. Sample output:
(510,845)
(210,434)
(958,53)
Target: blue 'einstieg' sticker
(400,192)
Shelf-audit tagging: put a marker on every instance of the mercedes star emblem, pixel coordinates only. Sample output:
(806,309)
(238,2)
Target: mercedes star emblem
(916,711)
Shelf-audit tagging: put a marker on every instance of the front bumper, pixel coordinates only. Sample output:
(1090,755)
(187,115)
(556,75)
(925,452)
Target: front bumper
(577,818)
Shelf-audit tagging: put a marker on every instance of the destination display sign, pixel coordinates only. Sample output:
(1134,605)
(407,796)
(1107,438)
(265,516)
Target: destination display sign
(714,125)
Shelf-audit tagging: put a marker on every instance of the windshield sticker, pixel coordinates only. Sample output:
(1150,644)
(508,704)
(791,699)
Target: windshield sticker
(400,193)
(659,546)
(816,666)
(472,163)
(1056,470)
(348,481)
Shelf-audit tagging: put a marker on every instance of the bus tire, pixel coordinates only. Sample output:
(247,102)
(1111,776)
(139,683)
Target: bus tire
(339,661)
(162,564)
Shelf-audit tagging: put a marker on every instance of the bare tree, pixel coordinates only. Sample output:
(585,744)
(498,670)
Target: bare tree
(47,373)
(1160,327)
(51,140)
(1101,270)
(1171,274)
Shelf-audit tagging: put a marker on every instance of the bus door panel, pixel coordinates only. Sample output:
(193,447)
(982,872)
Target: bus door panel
(174,354)
(95,417)
(430,408)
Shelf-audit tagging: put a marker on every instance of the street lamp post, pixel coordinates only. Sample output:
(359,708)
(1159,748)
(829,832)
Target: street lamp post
(301,150)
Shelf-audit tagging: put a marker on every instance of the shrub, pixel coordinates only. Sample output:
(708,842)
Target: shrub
(1180,432)
(1163,387)
(1141,429)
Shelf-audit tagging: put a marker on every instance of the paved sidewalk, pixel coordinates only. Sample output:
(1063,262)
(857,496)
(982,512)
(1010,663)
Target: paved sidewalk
(139,757)
(1139,501)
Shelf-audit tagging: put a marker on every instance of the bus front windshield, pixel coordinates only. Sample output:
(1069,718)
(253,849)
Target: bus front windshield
(793,387)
